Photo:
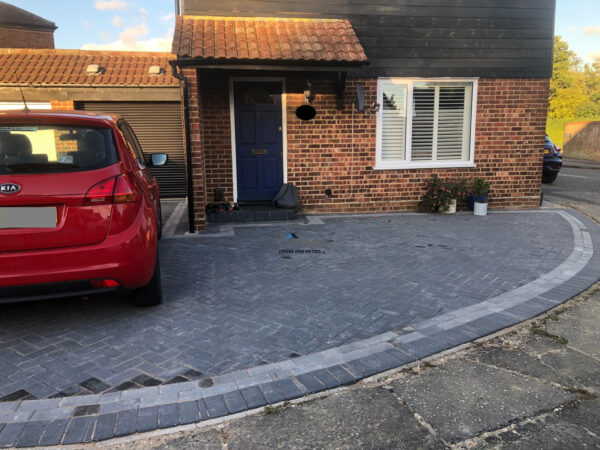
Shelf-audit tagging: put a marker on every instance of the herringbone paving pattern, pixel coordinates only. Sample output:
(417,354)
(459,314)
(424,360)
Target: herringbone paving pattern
(237,302)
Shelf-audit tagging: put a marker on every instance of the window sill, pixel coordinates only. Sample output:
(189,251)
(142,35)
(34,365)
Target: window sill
(436,165)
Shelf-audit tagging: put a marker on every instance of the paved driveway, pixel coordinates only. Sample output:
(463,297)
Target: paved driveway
(266,294)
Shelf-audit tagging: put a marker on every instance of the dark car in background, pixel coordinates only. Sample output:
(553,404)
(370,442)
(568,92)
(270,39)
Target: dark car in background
(552,161)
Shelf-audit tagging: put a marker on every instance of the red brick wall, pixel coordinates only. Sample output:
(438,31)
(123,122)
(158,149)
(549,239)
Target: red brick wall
(216,124)
(582,140)
(197,148)
(62,105)
(511,120)
(21,38)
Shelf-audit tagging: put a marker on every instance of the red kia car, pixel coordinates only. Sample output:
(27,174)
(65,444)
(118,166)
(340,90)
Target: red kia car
(79,208)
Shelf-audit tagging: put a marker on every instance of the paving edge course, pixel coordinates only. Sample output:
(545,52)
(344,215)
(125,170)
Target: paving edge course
(89,418)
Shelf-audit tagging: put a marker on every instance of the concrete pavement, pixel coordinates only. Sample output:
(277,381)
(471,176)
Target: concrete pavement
(581,164)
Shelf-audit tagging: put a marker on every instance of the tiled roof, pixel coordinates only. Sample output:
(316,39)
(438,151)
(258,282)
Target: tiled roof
(68,67)
(11,15)
(267,39)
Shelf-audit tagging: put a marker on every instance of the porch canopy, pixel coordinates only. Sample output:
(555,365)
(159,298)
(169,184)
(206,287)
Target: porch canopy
(267,42)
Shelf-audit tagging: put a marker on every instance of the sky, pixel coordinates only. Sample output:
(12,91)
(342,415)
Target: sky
(147,25)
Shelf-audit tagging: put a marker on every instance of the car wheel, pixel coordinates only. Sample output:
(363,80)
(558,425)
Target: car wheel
(151,294)
(549,177)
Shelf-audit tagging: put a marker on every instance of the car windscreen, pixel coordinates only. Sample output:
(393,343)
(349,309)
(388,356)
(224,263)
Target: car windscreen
(55,148)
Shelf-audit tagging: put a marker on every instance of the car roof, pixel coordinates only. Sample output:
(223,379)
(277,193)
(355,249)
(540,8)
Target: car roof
(63,116)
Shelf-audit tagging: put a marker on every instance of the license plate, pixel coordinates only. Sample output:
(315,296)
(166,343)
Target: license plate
(21,217)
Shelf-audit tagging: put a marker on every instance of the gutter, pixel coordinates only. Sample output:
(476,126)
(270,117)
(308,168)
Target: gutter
(188,144)
(254,64)
(87,85)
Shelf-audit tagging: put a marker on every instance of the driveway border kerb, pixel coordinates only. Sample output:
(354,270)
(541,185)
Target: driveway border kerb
(90,418)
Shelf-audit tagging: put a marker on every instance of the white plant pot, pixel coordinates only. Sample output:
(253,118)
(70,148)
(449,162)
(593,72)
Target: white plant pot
(480,209)
(451,207)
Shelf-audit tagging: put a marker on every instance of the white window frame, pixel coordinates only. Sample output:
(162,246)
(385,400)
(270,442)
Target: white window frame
(380,164)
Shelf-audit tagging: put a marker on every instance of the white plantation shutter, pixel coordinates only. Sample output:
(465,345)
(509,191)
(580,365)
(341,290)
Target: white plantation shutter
(423,125)
(424,122)
(453,127)
(393,143)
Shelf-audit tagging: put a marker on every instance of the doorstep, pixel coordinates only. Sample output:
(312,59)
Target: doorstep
(253,213)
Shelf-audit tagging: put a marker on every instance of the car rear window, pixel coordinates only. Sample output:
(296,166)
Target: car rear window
(55,148)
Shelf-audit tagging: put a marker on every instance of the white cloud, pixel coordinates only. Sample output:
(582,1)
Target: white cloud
(574,28)
(168,17)
(109,5)
(87,25)
(130,40)
(594,55)
(132,34)
(591,30)
(143,11)
(117,21)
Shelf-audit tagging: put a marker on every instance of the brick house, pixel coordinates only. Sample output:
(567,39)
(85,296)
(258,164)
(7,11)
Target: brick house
(458,90)
(22,29)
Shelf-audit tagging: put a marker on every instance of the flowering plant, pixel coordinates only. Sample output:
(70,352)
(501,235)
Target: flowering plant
(459,190)
(440,193)
(437,196)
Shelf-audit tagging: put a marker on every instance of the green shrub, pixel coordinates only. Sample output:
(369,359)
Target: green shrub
(479,186)
(438,195)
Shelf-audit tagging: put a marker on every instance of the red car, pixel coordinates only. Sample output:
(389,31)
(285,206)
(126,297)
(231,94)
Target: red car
(79,208)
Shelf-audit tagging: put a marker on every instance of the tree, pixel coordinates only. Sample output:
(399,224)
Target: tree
(570,87)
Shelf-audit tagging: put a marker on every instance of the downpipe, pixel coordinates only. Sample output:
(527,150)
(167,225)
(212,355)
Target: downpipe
(188,145)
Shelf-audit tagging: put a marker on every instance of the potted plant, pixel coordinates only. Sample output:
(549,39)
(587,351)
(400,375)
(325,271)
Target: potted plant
(437,197)
(480,208)
(458,192)
(479,192)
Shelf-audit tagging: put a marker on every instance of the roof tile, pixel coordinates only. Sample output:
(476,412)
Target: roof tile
(53,67)
(267,39)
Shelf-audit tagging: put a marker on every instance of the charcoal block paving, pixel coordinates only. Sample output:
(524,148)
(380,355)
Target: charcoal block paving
(168,415)
(341,327)
(215,406)
(147,419)
(188,412)
(105,427)
(126,422)
(422,249)
(253,397)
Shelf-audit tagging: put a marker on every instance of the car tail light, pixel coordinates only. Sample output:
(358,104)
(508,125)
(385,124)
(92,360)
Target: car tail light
(100,193)
(126,190)
(119,189)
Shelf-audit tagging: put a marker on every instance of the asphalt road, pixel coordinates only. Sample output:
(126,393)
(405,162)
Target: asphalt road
(574,185)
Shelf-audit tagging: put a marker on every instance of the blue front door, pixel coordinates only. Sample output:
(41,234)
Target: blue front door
(259,141)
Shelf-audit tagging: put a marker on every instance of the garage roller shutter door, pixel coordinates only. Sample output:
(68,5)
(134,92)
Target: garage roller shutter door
(159,129)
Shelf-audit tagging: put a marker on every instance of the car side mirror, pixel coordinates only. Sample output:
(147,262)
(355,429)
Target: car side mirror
(158,159)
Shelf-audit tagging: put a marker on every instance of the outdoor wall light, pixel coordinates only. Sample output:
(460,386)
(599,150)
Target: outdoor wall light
(374,108)
(309,93)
